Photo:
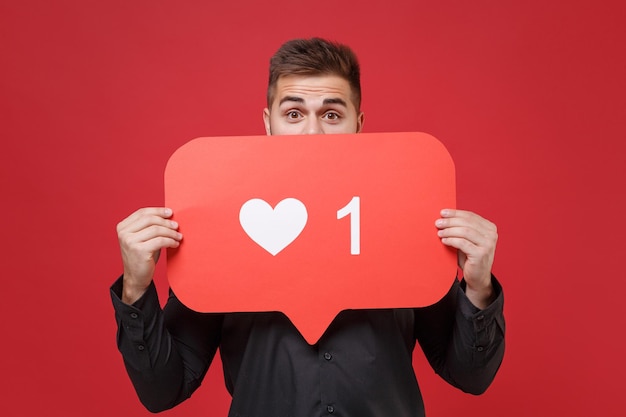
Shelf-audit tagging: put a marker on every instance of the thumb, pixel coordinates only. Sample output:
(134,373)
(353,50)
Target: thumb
(461,257)
(156,255)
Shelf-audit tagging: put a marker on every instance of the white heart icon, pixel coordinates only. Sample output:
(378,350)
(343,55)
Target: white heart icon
(273,228)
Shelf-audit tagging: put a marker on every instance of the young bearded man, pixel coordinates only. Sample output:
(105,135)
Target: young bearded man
(362,364)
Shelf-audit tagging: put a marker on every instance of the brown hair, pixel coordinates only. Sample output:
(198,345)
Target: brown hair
(315,56)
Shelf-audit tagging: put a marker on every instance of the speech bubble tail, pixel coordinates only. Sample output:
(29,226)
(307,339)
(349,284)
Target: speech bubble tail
(312,325)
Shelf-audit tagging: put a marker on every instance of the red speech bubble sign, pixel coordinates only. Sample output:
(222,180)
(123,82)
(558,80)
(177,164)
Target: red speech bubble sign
(310,225)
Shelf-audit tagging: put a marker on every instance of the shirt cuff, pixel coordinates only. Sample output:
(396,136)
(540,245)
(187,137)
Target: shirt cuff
(482,318)
(147,304)
(135,324)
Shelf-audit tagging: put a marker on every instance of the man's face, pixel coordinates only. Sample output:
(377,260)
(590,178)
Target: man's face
(309,105)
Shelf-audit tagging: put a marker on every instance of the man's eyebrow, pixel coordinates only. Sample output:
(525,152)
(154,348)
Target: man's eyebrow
(326,101)
(292,99)
(335,101)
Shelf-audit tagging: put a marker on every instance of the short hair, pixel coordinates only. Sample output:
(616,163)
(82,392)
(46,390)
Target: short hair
(315,56)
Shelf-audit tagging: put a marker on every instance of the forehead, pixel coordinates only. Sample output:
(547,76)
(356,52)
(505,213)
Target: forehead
(312,87)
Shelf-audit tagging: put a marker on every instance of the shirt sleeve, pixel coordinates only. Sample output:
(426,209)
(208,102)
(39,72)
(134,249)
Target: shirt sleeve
(166,352)
(463,344)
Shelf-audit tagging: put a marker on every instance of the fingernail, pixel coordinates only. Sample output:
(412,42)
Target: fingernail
(168,212)
(439,222)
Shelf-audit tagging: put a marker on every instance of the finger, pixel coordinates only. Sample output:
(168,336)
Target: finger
(146,251)
(469,249)
(461,257)
(148,222)
(465,233)
(450,212)
(153,246)
(149,233)
(463,214)
(470,220)
(461,244)
(484,241)
(145,222)
(162,212)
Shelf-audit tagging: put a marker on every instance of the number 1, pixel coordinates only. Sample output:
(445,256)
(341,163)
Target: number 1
(353,208)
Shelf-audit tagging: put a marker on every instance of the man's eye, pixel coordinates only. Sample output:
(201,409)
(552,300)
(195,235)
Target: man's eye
(293,114)
(332,116)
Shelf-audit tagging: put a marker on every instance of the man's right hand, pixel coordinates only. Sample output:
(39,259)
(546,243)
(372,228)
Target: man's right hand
(142,235)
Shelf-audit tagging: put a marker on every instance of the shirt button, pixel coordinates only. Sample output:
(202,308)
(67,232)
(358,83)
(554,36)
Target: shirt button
(134,315)
(330,409)
(328,356)
(480,348)
(141,347)
(480,317)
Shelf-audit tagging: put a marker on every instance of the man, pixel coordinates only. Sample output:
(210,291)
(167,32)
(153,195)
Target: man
(362,365)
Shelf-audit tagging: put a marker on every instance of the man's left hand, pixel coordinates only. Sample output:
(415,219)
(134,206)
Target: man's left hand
(475,238)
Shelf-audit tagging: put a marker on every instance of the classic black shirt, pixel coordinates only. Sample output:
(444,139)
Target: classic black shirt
(360,367)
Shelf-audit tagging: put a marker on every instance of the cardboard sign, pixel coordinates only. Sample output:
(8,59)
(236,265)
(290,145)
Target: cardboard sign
(310,225)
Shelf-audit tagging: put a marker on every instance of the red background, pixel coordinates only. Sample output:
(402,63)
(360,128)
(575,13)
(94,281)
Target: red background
(529,97)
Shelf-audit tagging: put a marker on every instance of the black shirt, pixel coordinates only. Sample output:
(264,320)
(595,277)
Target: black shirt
(361,366)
